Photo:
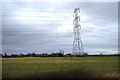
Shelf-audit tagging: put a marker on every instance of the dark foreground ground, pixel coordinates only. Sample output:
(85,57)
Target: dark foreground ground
(60,67)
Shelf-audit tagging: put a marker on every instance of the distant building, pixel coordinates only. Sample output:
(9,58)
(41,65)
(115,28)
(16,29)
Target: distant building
(61,51)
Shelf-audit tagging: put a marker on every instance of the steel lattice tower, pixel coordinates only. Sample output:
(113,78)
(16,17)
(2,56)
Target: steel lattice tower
(77,44)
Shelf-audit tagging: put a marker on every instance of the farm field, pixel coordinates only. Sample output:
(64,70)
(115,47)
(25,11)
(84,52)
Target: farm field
(60,67)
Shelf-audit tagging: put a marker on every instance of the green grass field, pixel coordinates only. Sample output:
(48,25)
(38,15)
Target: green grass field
(60,67)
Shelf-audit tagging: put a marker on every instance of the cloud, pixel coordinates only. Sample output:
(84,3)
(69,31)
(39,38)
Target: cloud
(47,27)
(59,1)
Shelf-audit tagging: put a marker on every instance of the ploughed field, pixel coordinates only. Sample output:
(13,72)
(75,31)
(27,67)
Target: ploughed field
(60,67)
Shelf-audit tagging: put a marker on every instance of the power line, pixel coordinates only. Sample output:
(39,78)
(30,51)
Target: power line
(35,11)
(38,11)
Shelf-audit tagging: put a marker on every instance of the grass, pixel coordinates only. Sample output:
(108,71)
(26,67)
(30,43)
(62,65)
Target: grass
(60,67)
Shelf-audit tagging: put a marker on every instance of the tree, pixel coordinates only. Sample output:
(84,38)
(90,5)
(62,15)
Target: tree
(14,55)
(6,55)
(60,54)
(85,54)
(33,55)
(29,55)
(21,55)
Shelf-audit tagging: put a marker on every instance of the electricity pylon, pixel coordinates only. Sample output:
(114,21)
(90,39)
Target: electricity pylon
(77,43)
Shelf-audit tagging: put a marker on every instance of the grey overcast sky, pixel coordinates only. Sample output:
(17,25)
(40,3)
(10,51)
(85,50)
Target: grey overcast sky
(48,26)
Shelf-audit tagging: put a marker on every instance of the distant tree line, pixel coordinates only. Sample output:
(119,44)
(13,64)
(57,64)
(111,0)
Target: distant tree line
(33,55)
(52,55)
(58,54)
